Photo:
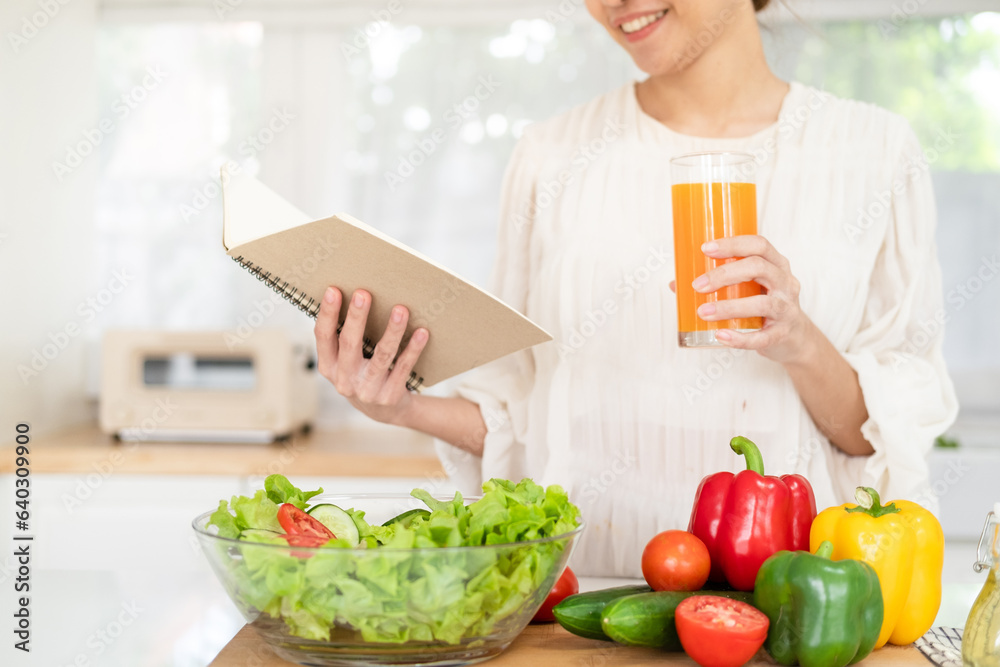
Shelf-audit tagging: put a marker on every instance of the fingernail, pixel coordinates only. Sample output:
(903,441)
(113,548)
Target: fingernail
(700,283)
(710,246)
(706,309)
(359,299)
(722,334)
(420,335)
(397,315)
(328,295)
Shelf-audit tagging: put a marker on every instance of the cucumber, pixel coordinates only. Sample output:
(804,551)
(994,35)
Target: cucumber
(257,535)
(407,518)
(581,613)
(338,521)
(647,619)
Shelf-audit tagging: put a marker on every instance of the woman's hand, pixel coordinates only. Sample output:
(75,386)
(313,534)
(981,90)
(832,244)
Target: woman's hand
(369,384)
(787,331)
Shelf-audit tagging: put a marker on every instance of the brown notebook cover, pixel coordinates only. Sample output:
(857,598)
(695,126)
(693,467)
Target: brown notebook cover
(299,257)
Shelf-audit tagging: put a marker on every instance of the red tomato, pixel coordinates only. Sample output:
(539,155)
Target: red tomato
(297,522)
(566,585)
(309,541)
(304,540)
(717,632)
(676,560)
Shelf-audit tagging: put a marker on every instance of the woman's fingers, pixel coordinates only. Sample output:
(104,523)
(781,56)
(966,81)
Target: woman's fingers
(745,246)
(749,340)
(758,261)
(753,258)
(351,344)
(408,358)
(378,366)
(368,384)
(326,333)
(770,306)
(753,268)
(341,358)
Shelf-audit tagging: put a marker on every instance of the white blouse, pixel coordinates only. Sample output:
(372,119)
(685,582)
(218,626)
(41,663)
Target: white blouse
(627,421)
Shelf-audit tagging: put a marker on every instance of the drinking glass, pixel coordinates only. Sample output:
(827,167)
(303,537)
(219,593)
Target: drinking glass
(714,196)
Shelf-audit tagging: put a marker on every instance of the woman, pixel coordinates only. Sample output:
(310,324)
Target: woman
(845,383)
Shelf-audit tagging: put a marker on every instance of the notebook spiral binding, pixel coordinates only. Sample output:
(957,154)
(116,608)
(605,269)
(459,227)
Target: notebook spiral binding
(297,298)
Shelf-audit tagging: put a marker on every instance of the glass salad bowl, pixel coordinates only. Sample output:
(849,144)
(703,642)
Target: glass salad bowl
(385,605)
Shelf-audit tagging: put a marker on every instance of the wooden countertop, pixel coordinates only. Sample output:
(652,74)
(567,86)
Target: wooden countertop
(552,646)
(376,452)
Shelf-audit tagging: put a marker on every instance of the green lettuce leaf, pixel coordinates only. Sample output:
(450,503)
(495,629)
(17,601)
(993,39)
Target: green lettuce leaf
(280,490)
(223,519)
(257,513)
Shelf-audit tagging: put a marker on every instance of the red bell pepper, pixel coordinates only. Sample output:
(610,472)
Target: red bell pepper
(745,518)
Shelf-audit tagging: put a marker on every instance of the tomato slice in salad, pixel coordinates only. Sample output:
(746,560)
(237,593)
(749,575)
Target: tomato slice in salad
(299,524)
(304,540)
(718,632)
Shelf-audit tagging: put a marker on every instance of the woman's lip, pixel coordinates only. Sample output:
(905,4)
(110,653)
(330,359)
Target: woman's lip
(644,32)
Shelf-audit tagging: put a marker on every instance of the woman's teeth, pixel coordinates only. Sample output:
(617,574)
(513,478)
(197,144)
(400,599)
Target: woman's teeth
(642,22)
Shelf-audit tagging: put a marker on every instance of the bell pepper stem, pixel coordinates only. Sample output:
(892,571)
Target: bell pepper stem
(825,549)
(747,449)
(870,503)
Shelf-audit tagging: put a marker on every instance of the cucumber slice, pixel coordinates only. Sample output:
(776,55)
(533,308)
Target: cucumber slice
(338,521)
(258,535)
(408,517)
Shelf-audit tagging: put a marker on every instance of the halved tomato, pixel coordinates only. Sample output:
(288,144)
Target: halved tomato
(718,632)
(297,522)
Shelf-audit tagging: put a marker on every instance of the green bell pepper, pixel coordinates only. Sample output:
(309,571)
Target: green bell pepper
(823,613)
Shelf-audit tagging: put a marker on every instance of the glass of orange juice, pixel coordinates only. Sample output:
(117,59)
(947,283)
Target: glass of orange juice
(714,196)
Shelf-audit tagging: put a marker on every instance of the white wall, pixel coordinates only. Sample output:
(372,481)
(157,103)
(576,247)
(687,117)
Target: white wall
(47,92)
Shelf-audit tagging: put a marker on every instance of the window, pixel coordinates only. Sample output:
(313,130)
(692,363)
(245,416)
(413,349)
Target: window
(410,131)
(943,74)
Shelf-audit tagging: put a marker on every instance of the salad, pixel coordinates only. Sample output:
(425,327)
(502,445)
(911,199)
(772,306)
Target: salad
(368,580)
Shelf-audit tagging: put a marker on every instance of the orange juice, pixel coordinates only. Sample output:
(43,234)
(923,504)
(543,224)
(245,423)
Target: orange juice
(704,212)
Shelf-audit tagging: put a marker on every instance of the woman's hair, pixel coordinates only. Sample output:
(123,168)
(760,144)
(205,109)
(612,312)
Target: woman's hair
(760,4)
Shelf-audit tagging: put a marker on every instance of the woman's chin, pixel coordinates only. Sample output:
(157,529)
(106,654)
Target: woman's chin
(659,63)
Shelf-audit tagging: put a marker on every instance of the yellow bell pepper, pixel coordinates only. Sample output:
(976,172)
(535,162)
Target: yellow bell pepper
(904,543)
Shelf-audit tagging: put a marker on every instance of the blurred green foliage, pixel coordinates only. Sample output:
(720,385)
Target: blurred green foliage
(939,73)
(945,442)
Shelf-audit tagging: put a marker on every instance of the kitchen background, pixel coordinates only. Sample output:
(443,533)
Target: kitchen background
(115,116)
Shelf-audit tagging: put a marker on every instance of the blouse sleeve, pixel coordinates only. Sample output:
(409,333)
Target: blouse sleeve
(897,349)
(501,388)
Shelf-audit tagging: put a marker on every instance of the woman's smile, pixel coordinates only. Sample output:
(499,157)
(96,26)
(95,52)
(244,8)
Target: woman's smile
(638,25)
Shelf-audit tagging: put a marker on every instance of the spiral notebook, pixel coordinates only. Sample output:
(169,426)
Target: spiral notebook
(299,257)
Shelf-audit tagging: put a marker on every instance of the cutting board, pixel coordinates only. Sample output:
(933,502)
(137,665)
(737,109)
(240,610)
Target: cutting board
(551,646)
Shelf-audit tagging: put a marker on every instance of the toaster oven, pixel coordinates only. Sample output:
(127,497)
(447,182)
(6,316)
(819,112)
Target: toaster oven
(199,386)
